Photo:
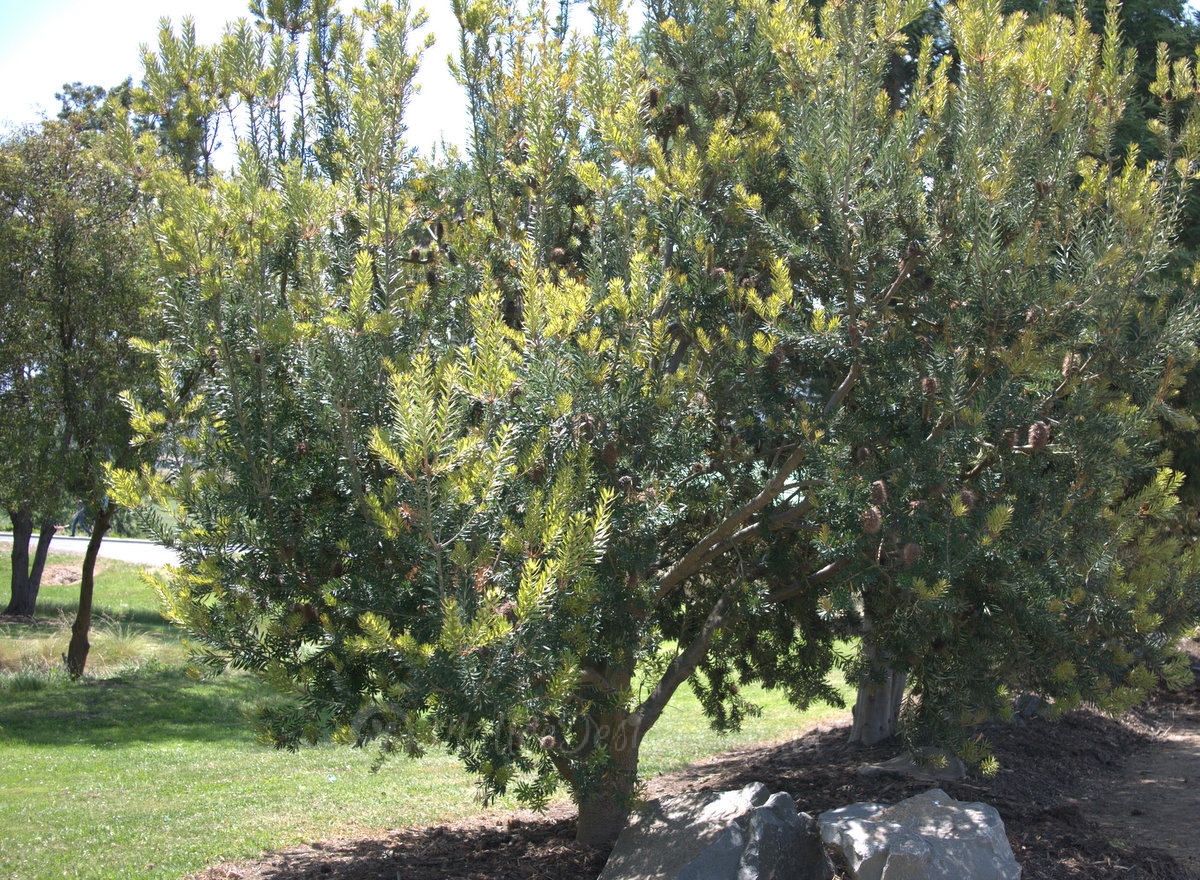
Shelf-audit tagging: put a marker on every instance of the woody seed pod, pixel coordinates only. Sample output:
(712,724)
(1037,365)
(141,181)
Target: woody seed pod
(879,493)
(929,386)
(968,498)
(872,521)
(1039,436)
(911,553)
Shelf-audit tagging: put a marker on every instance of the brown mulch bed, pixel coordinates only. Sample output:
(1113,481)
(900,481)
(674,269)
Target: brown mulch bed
(1050,770)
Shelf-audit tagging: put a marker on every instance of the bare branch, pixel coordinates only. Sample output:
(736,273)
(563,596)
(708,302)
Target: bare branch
(842,390)
(682,666)
(816,577)
(701,551)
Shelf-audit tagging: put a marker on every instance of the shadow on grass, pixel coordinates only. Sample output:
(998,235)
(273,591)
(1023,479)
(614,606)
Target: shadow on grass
(149,705)
(144,617)
(541,847)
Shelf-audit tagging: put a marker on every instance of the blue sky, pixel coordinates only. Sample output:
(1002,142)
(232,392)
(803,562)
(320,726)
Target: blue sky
(45,43)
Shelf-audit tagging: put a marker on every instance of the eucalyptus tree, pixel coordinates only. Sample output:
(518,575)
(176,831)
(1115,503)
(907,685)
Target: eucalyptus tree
(718,347)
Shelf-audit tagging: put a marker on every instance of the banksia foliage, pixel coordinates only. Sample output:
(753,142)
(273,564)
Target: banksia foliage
(618,443)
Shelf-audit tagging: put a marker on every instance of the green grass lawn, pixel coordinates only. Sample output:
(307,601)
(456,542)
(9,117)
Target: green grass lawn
(141,771)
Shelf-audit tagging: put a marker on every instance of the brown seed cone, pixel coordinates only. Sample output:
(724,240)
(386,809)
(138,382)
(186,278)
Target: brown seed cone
(911,553)
(879,493)
(872,521)
(1039,436)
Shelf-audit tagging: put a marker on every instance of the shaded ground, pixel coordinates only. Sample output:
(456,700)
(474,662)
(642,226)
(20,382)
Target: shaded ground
(1157,794)
(1087,797)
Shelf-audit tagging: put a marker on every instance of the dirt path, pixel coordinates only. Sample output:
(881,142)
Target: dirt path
(1164,783)
(1155,799)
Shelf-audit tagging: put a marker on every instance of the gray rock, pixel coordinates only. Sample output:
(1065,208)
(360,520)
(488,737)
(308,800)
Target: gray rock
(734,835)
(1029,706)
(928,837)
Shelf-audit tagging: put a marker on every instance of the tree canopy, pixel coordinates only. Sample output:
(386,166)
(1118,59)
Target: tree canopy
(73,293)
(720,346)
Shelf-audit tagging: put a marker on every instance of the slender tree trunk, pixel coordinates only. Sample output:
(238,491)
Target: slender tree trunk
(605,803)
(39,555)
(877,708)
(23,601)
(77,650)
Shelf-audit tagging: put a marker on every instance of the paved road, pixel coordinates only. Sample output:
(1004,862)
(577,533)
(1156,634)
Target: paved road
(125,549)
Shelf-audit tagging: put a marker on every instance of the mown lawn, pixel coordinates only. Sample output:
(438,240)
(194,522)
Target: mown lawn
(141,771)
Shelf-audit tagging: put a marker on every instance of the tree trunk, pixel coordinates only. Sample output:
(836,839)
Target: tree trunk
(77,650)
(877,707)
(27,581)
(23,601)
(605,803)
(39,556)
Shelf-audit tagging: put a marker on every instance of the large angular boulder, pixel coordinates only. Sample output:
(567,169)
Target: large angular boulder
(749,834)
(928,837)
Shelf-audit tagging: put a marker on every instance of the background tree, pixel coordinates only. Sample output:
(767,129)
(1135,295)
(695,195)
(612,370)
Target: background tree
(720,348)
(77,295)
(31,474)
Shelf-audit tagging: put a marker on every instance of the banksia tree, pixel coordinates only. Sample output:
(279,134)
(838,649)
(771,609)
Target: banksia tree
(723,344)
(968,240)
